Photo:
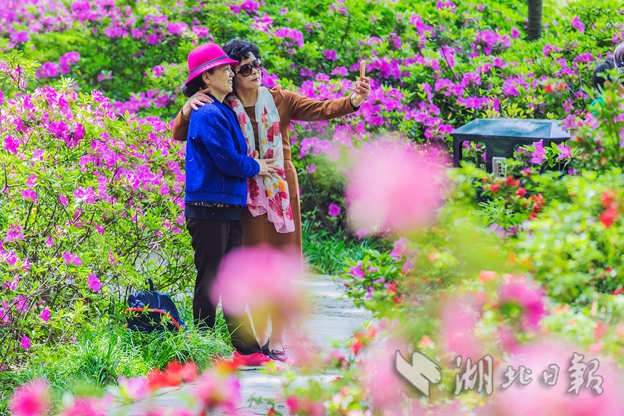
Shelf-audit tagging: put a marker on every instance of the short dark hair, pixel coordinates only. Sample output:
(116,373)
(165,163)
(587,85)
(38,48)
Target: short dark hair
(239,50)
(601,74)
(195,84)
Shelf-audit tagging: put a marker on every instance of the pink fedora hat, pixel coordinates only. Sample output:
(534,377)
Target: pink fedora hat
(206,57)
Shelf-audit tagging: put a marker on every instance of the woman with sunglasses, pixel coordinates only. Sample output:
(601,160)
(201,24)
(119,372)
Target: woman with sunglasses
(272,218)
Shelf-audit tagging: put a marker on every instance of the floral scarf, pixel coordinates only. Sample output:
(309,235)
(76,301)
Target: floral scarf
(266,195)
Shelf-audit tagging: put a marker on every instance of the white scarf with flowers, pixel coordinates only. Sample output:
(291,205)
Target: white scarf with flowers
(266,195)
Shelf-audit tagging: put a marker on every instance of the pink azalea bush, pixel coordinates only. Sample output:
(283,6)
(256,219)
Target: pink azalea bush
(92,196)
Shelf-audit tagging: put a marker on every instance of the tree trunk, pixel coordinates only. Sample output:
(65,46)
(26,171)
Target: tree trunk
(534,30)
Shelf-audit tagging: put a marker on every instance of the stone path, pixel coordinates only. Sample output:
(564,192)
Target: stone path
(332,318)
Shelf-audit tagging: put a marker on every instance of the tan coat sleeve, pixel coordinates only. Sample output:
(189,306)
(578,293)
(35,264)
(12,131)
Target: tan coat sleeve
(307,109)
(180,127)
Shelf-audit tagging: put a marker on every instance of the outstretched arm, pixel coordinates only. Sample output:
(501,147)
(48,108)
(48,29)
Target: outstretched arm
(309,109)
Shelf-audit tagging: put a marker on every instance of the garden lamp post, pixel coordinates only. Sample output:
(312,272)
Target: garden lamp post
(502,136)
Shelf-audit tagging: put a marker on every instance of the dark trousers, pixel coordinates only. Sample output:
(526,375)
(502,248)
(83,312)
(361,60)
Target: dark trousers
(211,241)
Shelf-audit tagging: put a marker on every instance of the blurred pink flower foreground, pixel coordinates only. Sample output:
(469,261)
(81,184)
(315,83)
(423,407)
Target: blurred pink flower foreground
(261,278)
(32,399)
(394,186)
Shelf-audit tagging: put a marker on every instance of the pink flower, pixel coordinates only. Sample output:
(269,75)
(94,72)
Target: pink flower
(45,315)
(215,391)
(15,233)
(94,283)
(25,343)
(458,319)
(311,168)
(393,187)
(260,277)
(30,194)
(538,399)
(384,386)
(31,399)
(334,210)
(525,293)
(91,406)
(63,200)
(134,388)
(565,151)
(401,249)
(72,259)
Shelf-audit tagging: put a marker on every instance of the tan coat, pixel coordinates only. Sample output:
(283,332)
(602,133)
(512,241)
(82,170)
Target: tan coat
(291,106)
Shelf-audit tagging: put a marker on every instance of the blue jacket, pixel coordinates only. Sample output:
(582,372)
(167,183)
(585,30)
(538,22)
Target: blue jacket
(216,157)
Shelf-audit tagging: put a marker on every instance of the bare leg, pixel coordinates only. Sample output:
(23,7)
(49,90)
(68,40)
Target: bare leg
(277,333)
(261,326)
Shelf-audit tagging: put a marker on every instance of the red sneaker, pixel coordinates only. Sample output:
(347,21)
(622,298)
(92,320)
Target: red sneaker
(252,360)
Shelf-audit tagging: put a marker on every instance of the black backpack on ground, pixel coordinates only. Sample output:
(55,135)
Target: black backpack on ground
(151,311)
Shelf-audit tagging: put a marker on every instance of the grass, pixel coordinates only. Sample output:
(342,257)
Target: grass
(107,350)
(327,253)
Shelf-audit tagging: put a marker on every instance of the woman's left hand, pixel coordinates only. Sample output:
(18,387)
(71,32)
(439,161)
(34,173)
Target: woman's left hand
(361,92)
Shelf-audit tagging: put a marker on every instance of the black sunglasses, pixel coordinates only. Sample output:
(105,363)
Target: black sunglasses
(247,69)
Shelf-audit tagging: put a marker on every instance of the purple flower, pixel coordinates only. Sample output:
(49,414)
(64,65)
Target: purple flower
(72,259)
(152,39)
(577,24)
(14,234)
(250,6)
(334,210)
(94,283)
(330,55)
(311,168)
(539,154)
(63,200)
(68,59)
(25,342)
(201,32)
(11,144)
(357,271)
(565,151)
(48,70)
(30,194)
(20,37)
(514,33)
(45,315)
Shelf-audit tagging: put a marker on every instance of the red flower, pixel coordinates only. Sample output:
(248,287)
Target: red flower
(174,374)
(618,291)
(608,197)
(495,187)
(356,346)
(268,154)
(561,86)
(538,202)
(521,192)
(548,88)
(609,216)
(512,182)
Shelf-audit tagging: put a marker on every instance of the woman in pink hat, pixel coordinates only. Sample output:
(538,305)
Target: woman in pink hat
(265,116)
(217,168)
